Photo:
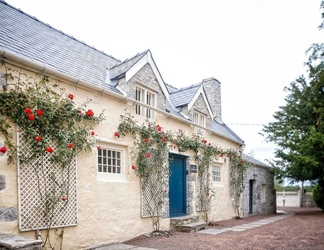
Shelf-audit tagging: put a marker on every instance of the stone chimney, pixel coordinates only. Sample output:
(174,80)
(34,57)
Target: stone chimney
(212,89)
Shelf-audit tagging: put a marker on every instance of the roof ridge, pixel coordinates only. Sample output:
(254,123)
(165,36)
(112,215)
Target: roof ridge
(187,87)
(128,59)
(60,31)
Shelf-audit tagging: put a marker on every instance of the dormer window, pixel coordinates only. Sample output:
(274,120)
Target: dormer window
(200,119)
(147,97)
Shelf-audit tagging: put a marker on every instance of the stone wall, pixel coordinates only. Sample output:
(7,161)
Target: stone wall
(6,213)
(146,78)
(258,176)
(200,106)
(307,200)
(212,89)
(9,242)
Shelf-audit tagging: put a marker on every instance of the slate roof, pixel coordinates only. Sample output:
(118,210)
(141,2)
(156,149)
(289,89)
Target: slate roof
(255,161)
(223,129)
(170,88)
(26,36)
(29,37)
(183,96)
(118,70)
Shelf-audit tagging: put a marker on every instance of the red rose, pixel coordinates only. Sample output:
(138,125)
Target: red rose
(98,147)
(38,138)
(174,147)
(79,111)
(28,111)
(148,155)
(71,96)
(63,199)
(207,193)
(39,112)
(3,149)
(70,145)
(49,150)
(163,139)
(31,117)
(92,133)
(159,128)
(116,134)
(146,140)
(133,167)
(89,113)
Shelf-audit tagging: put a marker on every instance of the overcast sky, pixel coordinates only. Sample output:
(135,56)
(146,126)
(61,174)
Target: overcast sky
(253,47)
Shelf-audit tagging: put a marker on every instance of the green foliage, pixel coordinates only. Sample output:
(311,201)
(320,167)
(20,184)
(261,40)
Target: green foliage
(53,126)
(318,195)
(238,169)
(150,152)
(298,129)
(40,108)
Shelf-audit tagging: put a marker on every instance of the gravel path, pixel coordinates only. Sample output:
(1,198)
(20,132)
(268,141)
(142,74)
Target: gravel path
(304,231)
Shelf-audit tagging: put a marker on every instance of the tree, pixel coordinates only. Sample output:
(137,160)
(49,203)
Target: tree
(298,129)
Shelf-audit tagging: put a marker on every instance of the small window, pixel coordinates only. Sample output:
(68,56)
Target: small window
(147,97)
(217,174)
(263,192)
(110,164)
(200,119)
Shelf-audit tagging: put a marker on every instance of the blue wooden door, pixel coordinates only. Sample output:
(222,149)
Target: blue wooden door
(177,186)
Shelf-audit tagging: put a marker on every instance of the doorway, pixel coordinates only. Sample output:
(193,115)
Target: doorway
(177,185)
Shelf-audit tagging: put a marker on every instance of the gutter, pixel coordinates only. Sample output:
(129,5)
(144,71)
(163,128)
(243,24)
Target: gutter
(18,60)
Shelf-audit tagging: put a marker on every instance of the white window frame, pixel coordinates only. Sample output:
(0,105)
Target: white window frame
(263,192)
(148,97)
(217,172)
(105,175)
(200,118)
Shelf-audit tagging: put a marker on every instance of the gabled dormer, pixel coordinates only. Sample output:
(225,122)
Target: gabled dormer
(139,78)
(193,104)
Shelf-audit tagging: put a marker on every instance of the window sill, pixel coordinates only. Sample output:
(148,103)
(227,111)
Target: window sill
(110,180)
(218,184)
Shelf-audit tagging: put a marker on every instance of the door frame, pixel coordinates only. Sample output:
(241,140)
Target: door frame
(184,176)
(251,184)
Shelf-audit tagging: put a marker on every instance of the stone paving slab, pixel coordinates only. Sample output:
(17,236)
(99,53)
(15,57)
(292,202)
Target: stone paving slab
(122,247)
(212,231)
(247,226)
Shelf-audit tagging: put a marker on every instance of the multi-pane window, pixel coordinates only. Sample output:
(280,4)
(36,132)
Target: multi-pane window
(111,163)
(216,174)
(200,119)
(147,97)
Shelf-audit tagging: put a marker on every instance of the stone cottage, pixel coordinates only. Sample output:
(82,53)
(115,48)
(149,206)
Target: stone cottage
(107,202)
(258,194)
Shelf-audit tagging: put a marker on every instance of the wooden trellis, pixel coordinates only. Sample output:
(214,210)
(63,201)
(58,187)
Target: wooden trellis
(38,178)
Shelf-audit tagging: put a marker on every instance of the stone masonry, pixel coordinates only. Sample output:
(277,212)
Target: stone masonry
(212,89)
(258,176)
(9,242)
(6,213)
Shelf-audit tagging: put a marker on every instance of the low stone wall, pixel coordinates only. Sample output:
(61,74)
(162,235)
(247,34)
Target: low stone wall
(307,200)
(10,242)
